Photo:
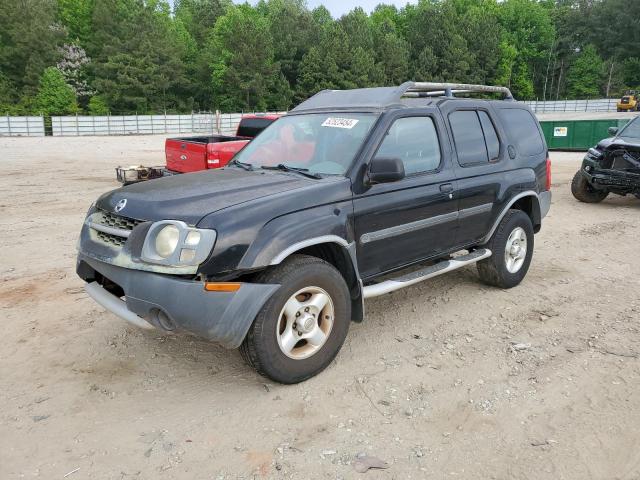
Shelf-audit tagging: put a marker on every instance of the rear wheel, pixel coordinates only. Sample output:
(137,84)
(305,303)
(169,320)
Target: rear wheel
(303,325)
(512,248)
(583,191)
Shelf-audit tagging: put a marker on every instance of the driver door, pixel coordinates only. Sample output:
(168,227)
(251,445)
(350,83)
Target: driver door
(403,222)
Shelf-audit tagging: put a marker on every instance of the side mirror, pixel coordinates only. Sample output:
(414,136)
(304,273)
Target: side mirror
(385,170)
(613,131)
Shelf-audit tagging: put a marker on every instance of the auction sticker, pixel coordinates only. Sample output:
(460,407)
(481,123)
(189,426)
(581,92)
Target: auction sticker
(340,122)
(560,131)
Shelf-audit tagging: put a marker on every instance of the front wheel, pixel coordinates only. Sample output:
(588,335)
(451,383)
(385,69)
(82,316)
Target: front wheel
(303,325)
(512,248)
(583,191)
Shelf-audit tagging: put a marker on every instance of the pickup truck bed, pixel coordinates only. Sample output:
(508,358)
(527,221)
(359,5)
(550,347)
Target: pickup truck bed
(192,154)
(202,152)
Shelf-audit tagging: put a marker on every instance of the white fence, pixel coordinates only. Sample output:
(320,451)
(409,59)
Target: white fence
(598,105)
(224,123)
(21,126)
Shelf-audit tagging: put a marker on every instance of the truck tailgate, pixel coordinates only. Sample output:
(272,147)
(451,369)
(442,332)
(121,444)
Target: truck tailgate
(184,155)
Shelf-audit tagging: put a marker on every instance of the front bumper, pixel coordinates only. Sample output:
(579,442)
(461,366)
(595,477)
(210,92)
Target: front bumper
(606,179)
(173,304)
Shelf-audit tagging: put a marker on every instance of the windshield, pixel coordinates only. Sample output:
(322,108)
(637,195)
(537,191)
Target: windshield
(631,130)
(321,143)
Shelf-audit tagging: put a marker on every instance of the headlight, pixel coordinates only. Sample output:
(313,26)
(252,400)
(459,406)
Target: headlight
(167,240)
(171,242)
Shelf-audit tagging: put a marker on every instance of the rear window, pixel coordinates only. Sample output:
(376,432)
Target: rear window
(250,127)
(523,130)
(468,137)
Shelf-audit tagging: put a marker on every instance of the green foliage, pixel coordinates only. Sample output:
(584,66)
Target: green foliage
(54,96)
(137,56)
(586,74)
(29,41)
(98,106)
(631,72)
(244,73)
(76,15)
(139,64)
(335,64)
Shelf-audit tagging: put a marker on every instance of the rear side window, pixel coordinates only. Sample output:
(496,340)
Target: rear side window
(523,130)
(250,127)
(413,140)
(468,137)
(490,136)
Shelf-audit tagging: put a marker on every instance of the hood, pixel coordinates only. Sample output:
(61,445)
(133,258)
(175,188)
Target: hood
(189,197)
(619,141)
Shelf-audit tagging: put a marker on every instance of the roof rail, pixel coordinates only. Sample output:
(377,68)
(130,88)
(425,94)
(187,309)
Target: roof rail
(434,89)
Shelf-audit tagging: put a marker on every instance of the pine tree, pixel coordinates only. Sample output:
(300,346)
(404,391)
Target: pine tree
(29,41)
(244,73)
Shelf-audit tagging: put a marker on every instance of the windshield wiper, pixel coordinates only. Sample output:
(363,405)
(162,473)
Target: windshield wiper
(246,166)
(287,168)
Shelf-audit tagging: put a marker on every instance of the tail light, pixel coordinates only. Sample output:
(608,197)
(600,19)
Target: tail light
(548,185)
(213,159)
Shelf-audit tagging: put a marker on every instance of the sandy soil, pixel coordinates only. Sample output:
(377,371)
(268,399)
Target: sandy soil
(430,382)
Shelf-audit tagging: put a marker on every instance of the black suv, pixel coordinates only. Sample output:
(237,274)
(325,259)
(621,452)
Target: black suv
(352,195)
(612,166)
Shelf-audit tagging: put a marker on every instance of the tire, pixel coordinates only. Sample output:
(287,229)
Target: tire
(495,270)
(583,191)
(262,349)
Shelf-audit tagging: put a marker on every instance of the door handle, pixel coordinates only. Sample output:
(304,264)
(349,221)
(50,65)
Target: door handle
(446,188)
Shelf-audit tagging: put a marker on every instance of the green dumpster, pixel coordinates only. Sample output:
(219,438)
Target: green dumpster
(577,134)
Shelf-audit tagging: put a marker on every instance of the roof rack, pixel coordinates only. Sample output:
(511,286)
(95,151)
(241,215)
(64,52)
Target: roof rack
(379,98)
(433,89)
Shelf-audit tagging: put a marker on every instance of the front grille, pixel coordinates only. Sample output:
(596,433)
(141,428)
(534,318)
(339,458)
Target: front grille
(115,221)
(114,240)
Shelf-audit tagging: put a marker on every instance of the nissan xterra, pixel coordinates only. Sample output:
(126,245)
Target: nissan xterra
(353,194)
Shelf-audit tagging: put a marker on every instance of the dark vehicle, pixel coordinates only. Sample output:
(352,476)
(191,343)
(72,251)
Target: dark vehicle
(612,166)
(192,154)
(352,195)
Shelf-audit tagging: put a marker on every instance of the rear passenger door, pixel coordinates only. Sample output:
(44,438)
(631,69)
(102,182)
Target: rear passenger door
(481,158)
(405,221)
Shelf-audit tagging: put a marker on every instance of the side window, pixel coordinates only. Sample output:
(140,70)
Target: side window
(490,136)
(413,140)
(523,130)
(468,137)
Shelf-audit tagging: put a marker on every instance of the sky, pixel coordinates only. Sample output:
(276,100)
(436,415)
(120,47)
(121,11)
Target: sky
(340,7)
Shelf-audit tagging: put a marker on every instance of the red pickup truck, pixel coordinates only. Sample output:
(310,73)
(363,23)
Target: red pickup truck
(192,154)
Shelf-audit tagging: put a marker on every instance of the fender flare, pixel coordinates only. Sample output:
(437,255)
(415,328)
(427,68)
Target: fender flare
(280,257)
(528,193)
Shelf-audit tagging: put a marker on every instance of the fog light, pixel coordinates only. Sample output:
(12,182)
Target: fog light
(186,255)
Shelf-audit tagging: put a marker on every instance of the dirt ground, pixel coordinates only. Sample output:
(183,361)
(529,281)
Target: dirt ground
(431,382)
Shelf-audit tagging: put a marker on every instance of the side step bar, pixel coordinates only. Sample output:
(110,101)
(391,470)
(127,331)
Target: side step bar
(423,274)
